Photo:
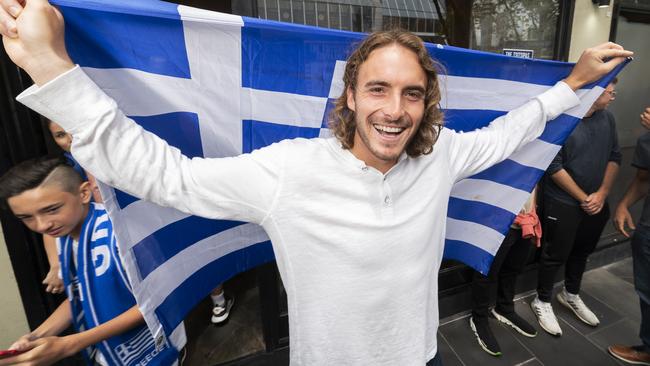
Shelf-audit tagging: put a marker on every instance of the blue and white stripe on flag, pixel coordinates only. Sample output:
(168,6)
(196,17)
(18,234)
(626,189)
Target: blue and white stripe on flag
(178,70)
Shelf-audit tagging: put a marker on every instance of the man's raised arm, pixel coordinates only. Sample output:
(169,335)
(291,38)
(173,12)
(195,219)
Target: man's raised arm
(114,148)
(478,150)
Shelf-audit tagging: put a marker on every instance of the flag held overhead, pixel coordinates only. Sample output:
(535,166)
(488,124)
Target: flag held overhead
(217,85)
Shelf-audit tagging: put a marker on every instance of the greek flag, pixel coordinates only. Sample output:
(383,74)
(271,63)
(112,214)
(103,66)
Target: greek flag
(177,70)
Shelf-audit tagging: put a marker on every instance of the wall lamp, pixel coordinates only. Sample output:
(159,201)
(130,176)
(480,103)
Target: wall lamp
(601,3)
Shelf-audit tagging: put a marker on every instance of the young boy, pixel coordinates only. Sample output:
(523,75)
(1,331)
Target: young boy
(49,197)
(222,302)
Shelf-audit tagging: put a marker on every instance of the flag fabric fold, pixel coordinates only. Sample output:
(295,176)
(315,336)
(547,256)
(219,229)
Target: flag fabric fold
(216,85)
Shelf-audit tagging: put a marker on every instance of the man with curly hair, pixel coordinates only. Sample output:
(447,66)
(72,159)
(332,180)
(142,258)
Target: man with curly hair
(357,221)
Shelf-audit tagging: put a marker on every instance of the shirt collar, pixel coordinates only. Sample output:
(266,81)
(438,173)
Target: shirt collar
(347,155)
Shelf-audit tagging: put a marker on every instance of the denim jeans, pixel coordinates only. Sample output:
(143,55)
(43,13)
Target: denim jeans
(641,262)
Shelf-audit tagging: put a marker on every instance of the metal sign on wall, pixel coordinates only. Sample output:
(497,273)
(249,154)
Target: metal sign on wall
(519,52)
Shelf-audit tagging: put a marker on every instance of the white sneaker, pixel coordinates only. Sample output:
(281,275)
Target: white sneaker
(220,313)
(575,303)
(545,316)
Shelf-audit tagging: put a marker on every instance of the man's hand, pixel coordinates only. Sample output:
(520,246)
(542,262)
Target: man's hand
(623,218)
(44,351)
(32,33)
(594,203)
(52,281)
(645,118)
(595,63)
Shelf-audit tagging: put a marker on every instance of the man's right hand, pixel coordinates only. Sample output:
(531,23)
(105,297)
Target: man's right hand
(596,62)
(622,217)
(33,36)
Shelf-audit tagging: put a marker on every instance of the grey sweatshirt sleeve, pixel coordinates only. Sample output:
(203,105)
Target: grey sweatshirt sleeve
(122,154)
(478,150)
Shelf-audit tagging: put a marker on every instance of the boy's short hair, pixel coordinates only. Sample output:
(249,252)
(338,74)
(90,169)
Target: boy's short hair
(36,172)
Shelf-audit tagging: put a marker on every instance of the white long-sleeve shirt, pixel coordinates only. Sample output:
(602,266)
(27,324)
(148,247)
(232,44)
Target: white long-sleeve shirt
(358,251)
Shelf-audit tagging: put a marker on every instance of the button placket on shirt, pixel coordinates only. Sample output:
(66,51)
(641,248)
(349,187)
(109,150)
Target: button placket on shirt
(386,193)
(388,199)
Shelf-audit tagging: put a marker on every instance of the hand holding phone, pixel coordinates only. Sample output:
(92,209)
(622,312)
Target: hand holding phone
(6,353)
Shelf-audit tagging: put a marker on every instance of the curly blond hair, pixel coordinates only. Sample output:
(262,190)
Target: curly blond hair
(342,120)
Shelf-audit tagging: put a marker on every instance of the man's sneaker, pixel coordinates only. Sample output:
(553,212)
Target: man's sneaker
(517,322)
(545,316)
(484,336)
(221,312)
(575,303)
(635,355)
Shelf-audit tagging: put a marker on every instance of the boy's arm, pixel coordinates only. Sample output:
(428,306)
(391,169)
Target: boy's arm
(118,325)
(48,350)
(52,281)
(56,323)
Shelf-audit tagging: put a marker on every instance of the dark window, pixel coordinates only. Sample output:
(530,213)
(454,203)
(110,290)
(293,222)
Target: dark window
(428,26)
(261,9)
(412,25)
(421,25)
(354,15)
(404,23)
(298,12)
(366,19)
(285,11)
(272,12)
(520,24)
(322,19)
(346,17)
(310,13)
(356,18)
(334,16)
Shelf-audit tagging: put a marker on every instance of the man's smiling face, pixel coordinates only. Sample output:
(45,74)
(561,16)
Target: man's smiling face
(388,104)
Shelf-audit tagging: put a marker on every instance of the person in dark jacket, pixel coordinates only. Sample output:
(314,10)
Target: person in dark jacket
(638,189)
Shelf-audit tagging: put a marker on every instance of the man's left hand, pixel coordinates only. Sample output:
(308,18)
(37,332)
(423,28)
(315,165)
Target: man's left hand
(594,203)
(596,62)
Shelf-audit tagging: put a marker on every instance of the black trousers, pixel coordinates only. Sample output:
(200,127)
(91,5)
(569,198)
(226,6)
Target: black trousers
(508,263)
(570,236)
(436,361)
